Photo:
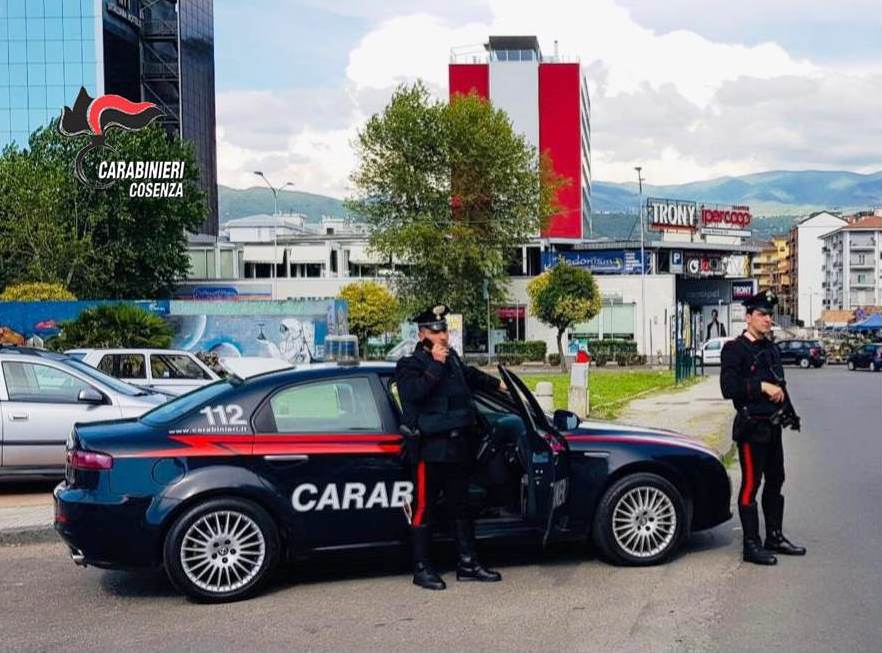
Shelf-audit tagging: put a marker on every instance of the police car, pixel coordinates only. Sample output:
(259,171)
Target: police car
(223,484)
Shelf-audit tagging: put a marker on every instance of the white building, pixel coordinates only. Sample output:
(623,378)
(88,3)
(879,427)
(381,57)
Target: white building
(808,258)
(852,266)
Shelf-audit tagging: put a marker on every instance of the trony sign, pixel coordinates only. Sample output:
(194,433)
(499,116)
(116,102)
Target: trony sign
(672,214)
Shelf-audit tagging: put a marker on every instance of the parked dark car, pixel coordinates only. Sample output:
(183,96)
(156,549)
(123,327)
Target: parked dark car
(805,353)
(221,484)
(866,356)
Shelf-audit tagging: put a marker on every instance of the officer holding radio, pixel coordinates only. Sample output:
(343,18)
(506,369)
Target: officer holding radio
(751,375)
(440,429)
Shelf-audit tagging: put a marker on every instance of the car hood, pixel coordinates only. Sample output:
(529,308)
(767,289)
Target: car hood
(605,432)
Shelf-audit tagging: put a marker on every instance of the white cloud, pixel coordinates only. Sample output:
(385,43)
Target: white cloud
(680,104)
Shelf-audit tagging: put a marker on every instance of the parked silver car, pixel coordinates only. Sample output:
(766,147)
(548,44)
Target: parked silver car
(170,371)
(42,395)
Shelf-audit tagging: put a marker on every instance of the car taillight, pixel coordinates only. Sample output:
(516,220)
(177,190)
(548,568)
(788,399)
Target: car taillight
(89,460)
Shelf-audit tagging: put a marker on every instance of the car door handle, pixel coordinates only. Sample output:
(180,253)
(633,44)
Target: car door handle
(284,457)
(18,417)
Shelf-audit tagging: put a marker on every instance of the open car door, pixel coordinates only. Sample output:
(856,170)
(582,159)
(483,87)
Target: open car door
(547,464)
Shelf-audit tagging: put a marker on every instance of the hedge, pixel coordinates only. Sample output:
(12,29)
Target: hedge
(530,350)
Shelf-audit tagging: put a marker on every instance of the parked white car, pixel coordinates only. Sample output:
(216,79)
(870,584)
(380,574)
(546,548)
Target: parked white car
(42,395)
(171,371)
(712,349)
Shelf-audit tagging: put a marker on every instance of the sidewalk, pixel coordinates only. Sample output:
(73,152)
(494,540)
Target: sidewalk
(27,524)
(699,411)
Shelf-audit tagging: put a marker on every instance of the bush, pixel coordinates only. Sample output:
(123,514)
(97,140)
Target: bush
(531,350)
(36,292)
(554,359)
(114,325)
(510,359)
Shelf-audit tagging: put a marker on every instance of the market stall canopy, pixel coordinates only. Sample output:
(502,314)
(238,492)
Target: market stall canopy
(872,323)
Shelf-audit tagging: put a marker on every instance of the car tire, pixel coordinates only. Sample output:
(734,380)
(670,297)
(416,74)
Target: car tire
(804,363)
(850,365)
(642,506)
(213,530)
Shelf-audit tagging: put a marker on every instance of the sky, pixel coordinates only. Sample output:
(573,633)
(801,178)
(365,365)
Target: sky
(688,89)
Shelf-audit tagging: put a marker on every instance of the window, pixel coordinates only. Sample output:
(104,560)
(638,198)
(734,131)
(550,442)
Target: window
(713,345)
(124,366)
(34,382)
(337,406)
(175,366)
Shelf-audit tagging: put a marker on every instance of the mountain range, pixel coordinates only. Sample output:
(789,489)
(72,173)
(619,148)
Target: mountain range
(775,199)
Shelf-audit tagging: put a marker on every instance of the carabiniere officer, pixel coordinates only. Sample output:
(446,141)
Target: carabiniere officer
(752,376)
(441,438)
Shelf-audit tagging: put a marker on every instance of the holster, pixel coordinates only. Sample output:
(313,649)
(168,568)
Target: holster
(410,445)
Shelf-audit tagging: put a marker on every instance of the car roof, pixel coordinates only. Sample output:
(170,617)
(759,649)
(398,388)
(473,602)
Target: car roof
(317,371)
(128,350)
(15,350)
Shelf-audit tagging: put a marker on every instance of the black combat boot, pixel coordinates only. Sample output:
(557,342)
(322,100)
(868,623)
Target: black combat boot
(468,567)
(753,550)
(775,540)
(424,575)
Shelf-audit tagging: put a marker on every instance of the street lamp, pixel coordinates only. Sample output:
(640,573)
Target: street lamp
(642,264)
(275,223)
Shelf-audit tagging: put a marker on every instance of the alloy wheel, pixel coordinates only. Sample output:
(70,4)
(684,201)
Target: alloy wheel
(644,521)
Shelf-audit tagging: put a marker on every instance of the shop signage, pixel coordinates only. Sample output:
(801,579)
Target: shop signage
(672,214)
(604,261)
(742,290)
(733,221)
(122,12)
(510,312)
(737,266)
(704,265)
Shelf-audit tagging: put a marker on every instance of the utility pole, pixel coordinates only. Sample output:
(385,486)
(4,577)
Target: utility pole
(642,265)
(275,225)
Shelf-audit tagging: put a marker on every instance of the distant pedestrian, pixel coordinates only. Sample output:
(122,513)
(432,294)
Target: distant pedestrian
(715,328)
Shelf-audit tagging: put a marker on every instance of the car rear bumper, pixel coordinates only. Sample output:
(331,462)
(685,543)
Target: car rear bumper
(105,531)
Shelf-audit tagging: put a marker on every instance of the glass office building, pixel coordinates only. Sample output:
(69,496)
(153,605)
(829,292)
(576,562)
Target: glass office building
(48,50)
(160,51)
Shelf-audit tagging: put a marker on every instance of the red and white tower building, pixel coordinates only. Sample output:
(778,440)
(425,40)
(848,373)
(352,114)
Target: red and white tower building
(546,99)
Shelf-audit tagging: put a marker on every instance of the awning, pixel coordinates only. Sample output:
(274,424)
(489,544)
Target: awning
(359,255)
(263,254)
(308,254)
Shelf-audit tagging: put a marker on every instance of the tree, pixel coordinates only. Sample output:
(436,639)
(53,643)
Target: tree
(36,292)
(561,296)
(450,190)
(373,310)
(114,325)
(98,243)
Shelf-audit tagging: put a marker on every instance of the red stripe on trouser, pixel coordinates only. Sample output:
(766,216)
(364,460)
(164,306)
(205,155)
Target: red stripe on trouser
(747,484)
(420,494)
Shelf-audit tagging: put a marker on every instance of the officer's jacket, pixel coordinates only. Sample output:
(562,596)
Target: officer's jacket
(436,398)
(744,365)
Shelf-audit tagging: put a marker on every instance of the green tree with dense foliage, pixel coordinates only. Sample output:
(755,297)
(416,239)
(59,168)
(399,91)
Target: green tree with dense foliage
(450,190)
(562,296)
(114,325)
(98,243)
(373,310)
(36,292)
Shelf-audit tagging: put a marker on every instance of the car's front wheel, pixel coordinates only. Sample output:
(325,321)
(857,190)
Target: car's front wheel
(850,365)
(640,520)
(221,550)
(804,363)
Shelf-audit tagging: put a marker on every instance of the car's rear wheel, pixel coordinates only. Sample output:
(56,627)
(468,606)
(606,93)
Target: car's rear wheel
(804,363)
(221,550)
(640,520)
(850,365)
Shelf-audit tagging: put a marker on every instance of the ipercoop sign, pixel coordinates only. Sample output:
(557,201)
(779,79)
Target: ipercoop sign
(680,215)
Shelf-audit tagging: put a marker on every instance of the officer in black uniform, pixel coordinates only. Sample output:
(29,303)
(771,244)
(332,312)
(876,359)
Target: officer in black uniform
(751,376)
(439,414)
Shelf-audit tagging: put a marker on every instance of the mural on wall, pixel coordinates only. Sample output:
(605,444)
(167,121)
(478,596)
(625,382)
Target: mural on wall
(291,330)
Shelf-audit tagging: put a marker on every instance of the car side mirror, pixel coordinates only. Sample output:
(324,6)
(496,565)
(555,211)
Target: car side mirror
(90,396)
(565,420)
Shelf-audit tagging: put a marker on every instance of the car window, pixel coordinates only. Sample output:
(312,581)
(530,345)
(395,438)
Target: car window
(105,379)
(175,366)
(124,366)
(180,406)
(35,382)
(713,345)
(335,406)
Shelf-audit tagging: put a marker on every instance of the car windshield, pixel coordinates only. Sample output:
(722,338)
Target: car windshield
(180,406)
(114,384)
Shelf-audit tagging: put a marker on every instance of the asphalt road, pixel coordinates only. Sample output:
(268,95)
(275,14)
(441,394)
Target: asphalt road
(705,600)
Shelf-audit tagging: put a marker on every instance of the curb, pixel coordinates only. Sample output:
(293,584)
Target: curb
(28,535)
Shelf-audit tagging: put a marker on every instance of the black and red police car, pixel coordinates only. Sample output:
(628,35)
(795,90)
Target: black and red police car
(222,484)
